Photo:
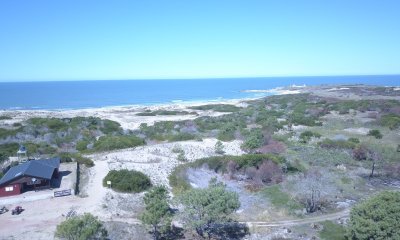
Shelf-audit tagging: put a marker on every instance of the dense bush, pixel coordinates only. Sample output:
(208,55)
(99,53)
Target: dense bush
(227,133)
(180,137)
(354,140)
(254,139)
(81,228)
(307,135)
(4,133)
(82,145)
(236,120)
(107,143)
(164,113)
(110,127)
(42,148)
(391,121)
(337,144)
(54,124)
(70,157)
(4,117)
(127,181)
(217,107)
(375,133)
(7,150)
(376,218)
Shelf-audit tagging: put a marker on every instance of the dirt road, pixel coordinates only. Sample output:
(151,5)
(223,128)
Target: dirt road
(283,223)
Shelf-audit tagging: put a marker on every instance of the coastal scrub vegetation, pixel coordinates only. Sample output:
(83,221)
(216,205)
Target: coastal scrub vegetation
(5,117)
(157,213)
(81,227)
(206,210)
(376,218)
(127,181)
(109,142)
(164,113)
(71,157)
(217,108)
(260,168)
(332,231)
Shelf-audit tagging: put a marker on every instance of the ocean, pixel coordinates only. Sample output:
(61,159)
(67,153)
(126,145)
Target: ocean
(92,94)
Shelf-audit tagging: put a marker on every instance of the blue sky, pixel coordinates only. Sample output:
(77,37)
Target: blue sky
(83,40)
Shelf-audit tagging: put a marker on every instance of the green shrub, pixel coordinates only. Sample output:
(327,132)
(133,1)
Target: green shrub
(354,140)
(376,218)
(4,133)
(7,150)
(145,114)
(82,145)
(332,231)
(375,133)
(55,124)
(181,157)
(180,137)
(177,180)
(217,107)
(254,139)
(227,133)
(81,228)
(107,143)
(4,117)
(391,121)
(307,135)
(127,181)
(70,157)
(337,144)
(110,127)
(164,113)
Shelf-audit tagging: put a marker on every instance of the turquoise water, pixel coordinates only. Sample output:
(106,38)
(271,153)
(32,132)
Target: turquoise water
(88,94)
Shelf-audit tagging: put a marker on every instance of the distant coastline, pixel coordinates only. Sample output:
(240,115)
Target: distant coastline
(75,95)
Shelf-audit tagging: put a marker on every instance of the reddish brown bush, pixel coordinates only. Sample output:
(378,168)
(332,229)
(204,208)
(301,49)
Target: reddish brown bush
(269,171)
(273,147)
(393,170)
(232,167)
(251,172)
(360,153)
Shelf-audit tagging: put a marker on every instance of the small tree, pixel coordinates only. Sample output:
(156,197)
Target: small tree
(81,228)
(157,213)
(219,148)
(205,208)
(377,218)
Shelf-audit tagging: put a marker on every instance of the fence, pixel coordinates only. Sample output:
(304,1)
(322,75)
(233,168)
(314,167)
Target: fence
(62,193)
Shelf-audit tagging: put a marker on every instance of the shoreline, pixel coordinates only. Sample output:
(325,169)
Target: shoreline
(126,115)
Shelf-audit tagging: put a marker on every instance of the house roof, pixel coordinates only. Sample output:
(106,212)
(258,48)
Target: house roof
(42,168)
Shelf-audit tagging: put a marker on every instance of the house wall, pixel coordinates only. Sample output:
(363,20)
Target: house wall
(16,189)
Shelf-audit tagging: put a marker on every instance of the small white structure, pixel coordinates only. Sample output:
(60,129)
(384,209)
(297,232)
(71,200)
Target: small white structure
(22,154)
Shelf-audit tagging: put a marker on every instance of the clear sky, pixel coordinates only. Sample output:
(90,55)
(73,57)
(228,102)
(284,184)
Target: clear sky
(82,40)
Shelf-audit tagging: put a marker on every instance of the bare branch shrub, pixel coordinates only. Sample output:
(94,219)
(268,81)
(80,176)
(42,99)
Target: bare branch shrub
(313,188)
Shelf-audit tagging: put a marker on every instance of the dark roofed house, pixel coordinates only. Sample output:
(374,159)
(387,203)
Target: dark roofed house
(29,176)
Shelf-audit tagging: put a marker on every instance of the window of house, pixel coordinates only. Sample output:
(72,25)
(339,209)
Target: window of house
(9,189)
